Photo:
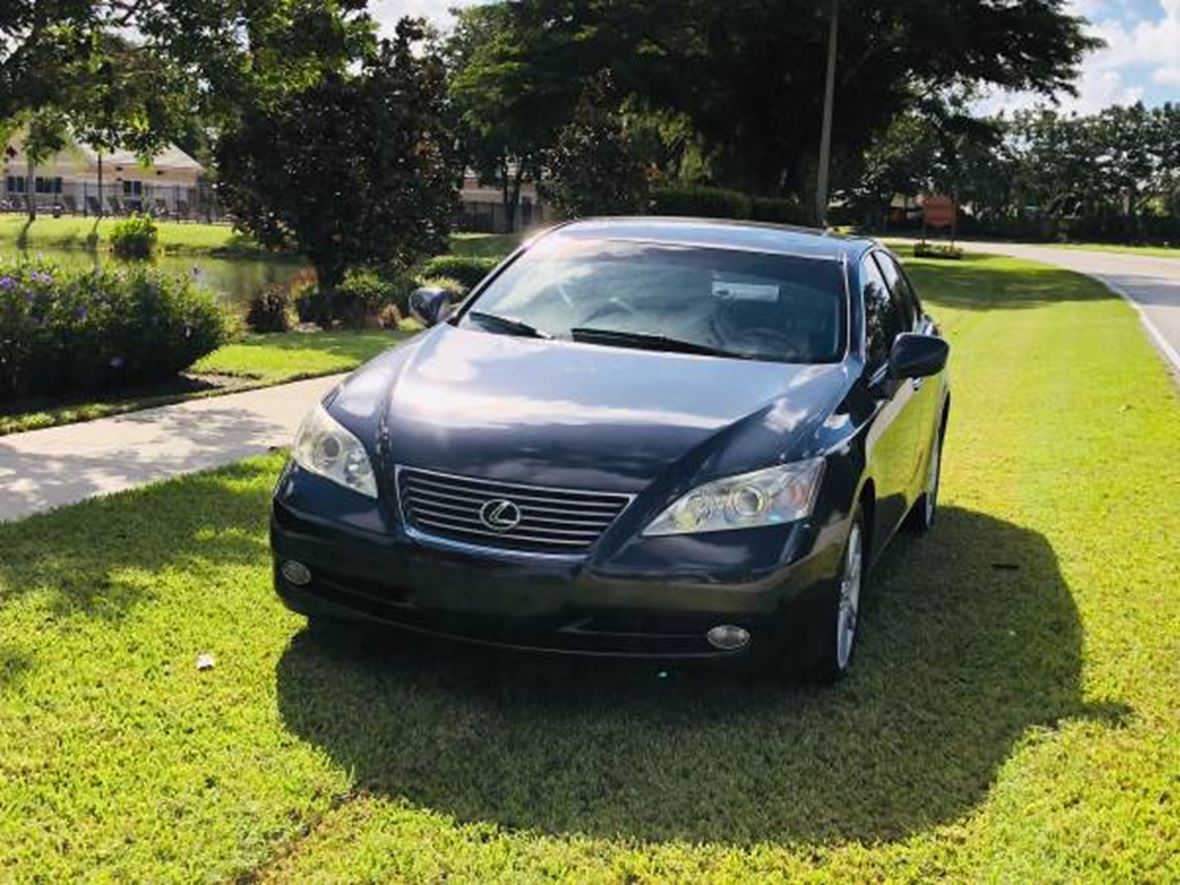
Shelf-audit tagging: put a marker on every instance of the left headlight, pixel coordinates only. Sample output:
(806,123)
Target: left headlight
(776,495)
(325,448)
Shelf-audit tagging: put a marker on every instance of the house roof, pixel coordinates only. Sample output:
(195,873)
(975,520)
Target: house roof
(171,157)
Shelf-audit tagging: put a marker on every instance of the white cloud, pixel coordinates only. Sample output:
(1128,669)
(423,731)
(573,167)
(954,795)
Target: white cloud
(1138,51)
(387,12)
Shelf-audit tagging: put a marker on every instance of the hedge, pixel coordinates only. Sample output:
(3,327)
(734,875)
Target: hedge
(467,270)
(80,331)
(700,201)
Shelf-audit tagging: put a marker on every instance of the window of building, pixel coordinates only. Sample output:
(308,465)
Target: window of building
(15,184)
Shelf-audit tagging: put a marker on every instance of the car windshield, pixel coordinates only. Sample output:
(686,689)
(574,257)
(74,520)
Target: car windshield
(711,301)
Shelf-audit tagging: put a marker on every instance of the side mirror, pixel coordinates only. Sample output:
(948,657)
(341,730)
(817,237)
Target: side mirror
(430,305)
(917,356)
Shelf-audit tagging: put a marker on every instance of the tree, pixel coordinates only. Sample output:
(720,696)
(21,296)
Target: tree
(509,95)
(594,169)
(139,72)
(749,74)
(354,170)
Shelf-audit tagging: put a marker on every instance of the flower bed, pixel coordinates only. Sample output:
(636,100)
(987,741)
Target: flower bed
(65,332)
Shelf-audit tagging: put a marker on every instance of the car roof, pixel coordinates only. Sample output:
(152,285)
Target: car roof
(754,236)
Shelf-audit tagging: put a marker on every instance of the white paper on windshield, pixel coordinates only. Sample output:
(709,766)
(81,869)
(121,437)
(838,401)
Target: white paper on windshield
(745,291)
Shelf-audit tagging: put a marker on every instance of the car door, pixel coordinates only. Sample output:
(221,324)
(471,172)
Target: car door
(926,390)
(892,441)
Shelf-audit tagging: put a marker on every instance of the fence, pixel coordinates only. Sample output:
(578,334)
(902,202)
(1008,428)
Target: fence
(53,196)
(489,217)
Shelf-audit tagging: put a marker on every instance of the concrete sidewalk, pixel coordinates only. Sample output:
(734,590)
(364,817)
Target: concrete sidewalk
(48,468)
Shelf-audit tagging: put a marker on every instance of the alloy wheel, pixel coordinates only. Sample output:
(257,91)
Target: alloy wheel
(846,613)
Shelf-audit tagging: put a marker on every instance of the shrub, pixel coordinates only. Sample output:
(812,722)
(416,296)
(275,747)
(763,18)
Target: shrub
(779,210)
(134,237)
(467,270)
(937,250)
(700,201)
(312,305)
(270,310)
(81,331)
(364,293)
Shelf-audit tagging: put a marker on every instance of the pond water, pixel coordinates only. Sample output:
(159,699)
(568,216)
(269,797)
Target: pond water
(235,280)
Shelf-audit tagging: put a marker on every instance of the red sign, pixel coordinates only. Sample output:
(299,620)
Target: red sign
(938,211)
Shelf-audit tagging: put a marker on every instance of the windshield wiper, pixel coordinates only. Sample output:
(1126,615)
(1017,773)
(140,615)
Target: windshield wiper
(644,341)
(511,325)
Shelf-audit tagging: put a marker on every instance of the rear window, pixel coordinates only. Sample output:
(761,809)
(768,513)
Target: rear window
(754,305)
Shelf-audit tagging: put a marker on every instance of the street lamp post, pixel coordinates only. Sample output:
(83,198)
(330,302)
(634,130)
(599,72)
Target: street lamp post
(825,139)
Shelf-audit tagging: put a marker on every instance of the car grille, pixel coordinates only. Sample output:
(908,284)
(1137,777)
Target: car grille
(541,520)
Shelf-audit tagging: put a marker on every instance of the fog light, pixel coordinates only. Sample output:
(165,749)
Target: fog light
(727,637)
(296,573)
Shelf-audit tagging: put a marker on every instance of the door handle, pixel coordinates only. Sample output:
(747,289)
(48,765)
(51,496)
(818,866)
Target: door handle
(916,383)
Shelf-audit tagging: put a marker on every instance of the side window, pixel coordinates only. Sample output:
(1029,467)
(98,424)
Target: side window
(901,289)
(883,320)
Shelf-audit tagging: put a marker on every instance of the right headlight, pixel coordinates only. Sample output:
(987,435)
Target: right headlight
(324,447)
(773,496)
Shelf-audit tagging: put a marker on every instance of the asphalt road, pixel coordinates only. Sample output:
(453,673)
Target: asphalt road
(1152,285)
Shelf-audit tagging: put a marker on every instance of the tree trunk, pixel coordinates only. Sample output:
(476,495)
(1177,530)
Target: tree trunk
(506,199)
(516,182)
(30,190)
(101,211)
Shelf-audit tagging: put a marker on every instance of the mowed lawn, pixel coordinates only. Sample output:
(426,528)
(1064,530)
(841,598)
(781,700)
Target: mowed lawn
(248,362)
(1014,713)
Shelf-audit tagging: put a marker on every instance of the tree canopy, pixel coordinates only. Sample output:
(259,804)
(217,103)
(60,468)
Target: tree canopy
(748,74)
(352,170)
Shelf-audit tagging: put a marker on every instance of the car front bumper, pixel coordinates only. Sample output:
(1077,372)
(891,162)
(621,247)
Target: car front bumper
(365,568)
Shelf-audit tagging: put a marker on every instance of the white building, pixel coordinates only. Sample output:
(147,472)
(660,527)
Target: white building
(170,184)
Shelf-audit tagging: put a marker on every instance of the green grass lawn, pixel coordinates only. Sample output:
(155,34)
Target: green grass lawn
(75,232)
(484,245)
(1014,713)
(253,361)
(1153,251)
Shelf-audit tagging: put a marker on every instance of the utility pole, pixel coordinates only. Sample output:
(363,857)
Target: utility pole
(825,139)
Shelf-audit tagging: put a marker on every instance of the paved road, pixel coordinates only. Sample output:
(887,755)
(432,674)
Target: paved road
(44,469)
(1152,285)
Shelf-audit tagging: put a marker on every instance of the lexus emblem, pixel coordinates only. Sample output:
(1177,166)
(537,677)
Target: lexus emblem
(500,515)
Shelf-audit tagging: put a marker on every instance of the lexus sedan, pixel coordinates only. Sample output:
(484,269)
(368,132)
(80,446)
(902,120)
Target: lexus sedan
(670,438)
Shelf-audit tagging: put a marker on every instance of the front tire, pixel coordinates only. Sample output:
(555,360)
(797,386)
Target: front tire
(838,622)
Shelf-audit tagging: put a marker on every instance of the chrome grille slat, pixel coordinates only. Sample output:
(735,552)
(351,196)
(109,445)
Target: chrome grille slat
(550,520)
(587,534)
(528,514)
(505,491)
(598,510)
(491,534)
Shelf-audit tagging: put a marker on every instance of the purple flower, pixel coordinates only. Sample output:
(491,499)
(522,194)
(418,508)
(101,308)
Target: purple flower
(80,313)
(7,284)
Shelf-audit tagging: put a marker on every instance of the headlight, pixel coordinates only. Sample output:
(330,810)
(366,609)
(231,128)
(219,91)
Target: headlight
(323,447)
(765,497)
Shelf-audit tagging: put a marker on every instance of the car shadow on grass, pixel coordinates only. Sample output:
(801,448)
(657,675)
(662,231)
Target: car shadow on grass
(971,643)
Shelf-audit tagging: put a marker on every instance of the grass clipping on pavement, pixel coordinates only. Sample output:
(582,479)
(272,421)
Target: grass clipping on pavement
(1014,712)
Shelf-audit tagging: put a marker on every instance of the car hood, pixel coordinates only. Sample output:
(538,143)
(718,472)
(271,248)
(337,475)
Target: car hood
(566,414)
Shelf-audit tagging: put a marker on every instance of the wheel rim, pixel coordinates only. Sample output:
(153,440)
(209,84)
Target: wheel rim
(849,600)
(932,474)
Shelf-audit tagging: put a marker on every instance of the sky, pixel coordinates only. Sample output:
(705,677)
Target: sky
(1141,61)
